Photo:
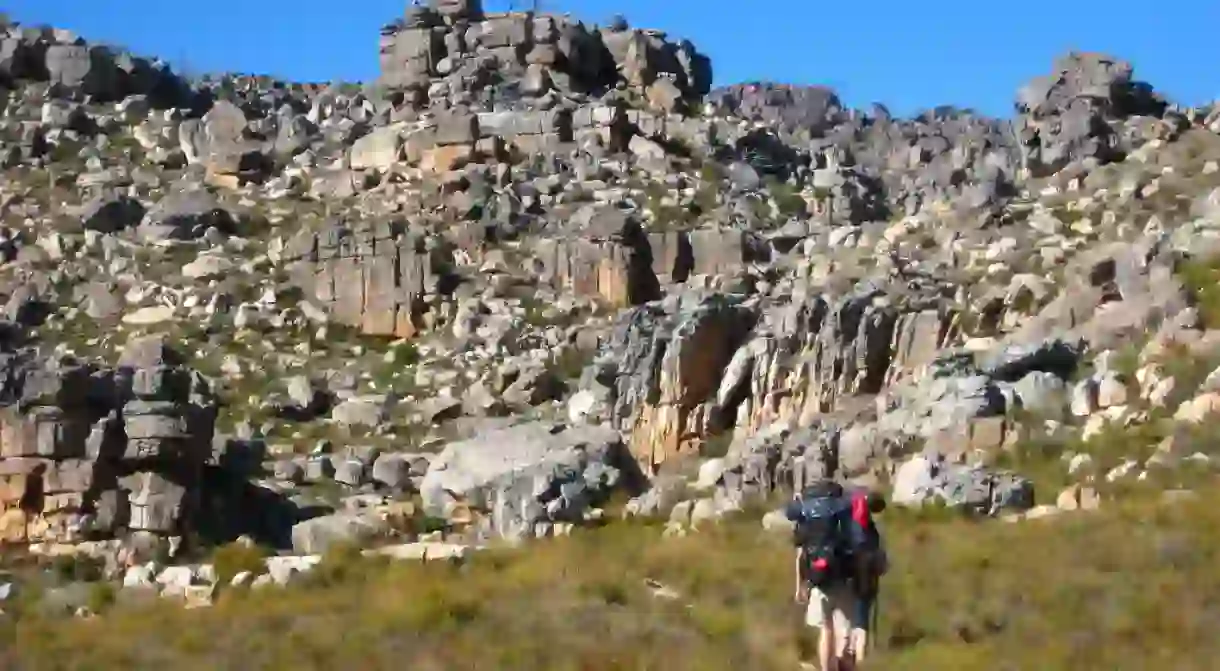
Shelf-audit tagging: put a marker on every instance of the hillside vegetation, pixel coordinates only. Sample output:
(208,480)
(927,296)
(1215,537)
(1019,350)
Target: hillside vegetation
(1131,587)
(507,358)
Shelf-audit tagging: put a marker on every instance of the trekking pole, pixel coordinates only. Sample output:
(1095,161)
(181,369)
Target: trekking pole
(872,639)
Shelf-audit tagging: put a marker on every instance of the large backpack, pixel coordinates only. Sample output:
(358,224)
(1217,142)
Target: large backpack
(868,556)
(821,517)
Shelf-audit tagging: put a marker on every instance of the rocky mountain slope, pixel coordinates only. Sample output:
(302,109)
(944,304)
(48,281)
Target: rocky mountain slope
(539,269)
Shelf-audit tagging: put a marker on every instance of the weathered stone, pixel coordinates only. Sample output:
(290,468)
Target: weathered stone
(669,367)
(92,69)
(460,128)
(155,420)
(1066,116)
(515,482)
(315,536)
(445,159)
(218,140)
(156,503)
(378,150)
(366,278)
(369,411)
(207,266)
(392,471)
(43,432)
(614,261)
(923,479)
(184,215)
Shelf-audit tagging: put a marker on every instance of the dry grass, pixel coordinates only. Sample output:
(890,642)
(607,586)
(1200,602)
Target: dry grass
(1132,587)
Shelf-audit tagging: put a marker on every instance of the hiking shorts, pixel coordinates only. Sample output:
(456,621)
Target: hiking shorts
(835,605)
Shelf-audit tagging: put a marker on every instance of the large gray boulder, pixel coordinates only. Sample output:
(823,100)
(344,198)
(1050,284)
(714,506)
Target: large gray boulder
(91,69)
(516,482)
(927,478)
(185,215)
(317,535)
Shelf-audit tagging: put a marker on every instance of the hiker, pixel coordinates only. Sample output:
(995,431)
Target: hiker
(869,563)
(822,535)
(837,550)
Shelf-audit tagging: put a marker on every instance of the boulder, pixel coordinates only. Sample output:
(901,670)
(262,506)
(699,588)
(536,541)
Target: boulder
(924,479)
(518,481)
(185,215)
(316,535)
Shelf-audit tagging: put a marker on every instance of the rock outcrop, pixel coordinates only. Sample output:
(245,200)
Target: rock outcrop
(90,452)
(378,278)
(663,366)
(683,372)
(814,109)
(923,480)
(60,58)
(450,53)
(1071,114)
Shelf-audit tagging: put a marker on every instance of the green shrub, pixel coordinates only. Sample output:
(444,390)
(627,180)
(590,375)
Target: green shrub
(340,562)
(78,568)
(233,558)
(787,198)
(1201,279)
(102,596)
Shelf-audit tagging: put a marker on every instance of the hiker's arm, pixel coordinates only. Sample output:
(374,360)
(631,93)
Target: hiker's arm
(792,511)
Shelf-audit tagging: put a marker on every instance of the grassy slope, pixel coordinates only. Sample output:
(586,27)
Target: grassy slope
(1129,588)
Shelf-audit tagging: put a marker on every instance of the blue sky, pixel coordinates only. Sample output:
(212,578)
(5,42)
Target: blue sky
(910,55)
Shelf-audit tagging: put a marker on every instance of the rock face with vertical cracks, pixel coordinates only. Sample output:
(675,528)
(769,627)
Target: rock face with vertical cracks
(614,259)
(669,362)
(813,356)
(953,402)
(610,259)
(89,452)
(684,370)
(374,277)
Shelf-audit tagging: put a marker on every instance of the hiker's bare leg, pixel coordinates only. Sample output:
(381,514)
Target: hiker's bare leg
(859,627)
(820,615)
(859,641)
(827,659)
(841,603)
